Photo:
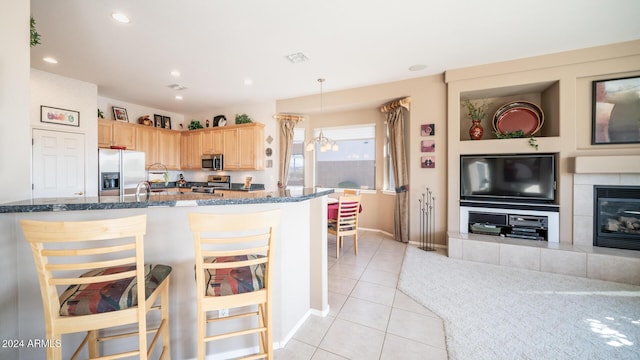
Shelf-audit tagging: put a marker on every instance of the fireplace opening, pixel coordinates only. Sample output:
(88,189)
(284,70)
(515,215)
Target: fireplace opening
(617,217)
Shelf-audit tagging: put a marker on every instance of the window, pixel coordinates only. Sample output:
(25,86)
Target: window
(296,163)
(390,181)
(354,164)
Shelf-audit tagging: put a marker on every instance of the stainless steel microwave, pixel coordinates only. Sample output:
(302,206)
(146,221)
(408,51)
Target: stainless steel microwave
(212,162)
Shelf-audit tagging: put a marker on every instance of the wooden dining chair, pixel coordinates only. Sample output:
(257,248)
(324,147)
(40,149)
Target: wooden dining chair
(233,254)
(109,255)
(347,192)
(346,222)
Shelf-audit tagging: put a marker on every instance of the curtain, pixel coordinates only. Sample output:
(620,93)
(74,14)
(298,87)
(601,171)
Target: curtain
(287,123)
(395,122)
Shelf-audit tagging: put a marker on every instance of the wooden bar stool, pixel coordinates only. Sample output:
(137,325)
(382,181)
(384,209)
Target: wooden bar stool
(233,254)
(109,255)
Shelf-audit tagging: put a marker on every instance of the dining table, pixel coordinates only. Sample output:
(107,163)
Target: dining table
(332,208)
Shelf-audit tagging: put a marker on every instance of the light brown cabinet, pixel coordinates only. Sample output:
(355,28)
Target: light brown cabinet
(112,133)
(169,148)
(147,141)
(191,150)
(105,133)
(212,142)
(124,134)
(159,145)
(243,147)
(235,194)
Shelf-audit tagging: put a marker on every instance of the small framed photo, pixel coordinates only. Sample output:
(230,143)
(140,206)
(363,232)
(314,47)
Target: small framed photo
(120,114)
(616,111)
(428,146)
(59,116)
(157,120)
(166,122)
(428,162)
(427,129)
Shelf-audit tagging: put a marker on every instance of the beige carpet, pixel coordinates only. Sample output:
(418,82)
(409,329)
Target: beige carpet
(494,312)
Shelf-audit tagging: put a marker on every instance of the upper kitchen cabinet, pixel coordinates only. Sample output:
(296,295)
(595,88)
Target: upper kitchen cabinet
(116,133)
(191,150)
(105,133)
(169,148)
(212,142)
(243,147)
(147,141)
(124,134)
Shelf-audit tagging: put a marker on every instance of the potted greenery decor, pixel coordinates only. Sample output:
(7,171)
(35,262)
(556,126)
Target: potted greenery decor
(243,119)
(35,37)
(195,124)
(517,134)
(476,113)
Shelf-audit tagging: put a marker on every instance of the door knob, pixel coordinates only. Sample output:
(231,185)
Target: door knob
(78,193)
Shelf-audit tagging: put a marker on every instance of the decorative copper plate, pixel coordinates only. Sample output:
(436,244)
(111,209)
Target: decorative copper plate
(518,115)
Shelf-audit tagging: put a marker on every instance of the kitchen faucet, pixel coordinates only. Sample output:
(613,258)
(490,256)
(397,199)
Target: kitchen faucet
(147,187)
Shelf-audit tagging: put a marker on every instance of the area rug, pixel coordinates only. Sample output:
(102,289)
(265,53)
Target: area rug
(494,312)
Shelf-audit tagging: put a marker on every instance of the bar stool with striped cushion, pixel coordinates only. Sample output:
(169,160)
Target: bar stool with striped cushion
(109,255)
(233,254)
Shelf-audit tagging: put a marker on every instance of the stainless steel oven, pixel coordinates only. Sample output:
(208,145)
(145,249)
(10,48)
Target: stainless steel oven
(212,162)
(214,182)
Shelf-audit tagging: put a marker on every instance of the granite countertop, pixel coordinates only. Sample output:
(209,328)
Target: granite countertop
(156,200)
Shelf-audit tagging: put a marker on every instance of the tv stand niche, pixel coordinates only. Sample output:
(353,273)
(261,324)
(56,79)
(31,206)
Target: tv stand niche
(543,218)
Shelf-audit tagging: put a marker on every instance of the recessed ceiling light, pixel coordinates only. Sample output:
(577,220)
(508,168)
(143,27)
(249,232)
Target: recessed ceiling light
(178,97)
(50,60)
(417,67)
(120,17)
(175,73)
(297,57)
(248,82)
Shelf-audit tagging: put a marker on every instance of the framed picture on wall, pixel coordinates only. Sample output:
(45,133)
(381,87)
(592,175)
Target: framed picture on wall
(427,129)
(157,120)
(616,111)
(59,116)
(166,122)
(428,162)
(428,146)
(120,114)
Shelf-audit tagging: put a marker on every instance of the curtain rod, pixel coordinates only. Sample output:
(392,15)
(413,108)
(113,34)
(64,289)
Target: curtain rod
(404,102)
(293,117)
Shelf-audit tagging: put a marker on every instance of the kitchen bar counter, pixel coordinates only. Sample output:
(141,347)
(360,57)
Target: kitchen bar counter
(300,281)
(156,200)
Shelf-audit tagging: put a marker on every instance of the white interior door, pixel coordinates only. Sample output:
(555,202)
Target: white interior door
(58,164)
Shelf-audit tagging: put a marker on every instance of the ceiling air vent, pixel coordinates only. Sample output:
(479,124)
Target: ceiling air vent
(177,87)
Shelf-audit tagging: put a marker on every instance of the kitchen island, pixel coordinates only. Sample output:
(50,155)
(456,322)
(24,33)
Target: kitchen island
(300,273)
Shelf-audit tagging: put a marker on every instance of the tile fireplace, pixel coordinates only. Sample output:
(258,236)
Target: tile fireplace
(617,217)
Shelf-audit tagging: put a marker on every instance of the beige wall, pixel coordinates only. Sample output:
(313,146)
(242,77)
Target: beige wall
(360,106)
(568,130)
(436,100)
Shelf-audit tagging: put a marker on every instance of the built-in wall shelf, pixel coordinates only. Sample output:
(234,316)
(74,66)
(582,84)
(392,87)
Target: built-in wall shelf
(543,94)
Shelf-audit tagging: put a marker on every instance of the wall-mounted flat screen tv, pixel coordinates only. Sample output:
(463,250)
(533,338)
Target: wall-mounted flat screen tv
(515,177)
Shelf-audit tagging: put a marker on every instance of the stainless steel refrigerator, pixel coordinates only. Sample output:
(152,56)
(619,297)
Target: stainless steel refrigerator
(120,171)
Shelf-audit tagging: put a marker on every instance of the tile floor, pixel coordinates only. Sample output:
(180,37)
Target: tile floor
(369,318)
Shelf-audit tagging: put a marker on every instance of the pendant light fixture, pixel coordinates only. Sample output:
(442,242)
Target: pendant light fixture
(324,142)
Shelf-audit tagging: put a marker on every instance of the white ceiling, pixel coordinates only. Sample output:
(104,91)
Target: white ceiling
(217,44)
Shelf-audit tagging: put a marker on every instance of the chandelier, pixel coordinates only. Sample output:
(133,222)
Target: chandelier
(324,142)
